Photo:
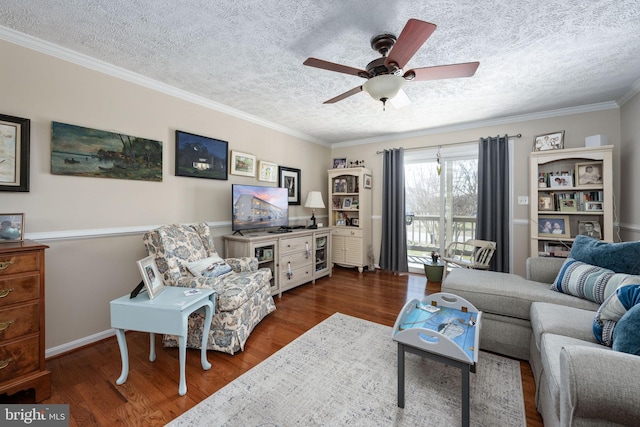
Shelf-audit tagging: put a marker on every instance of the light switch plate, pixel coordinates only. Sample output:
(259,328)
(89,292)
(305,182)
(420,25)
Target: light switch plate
(523,200)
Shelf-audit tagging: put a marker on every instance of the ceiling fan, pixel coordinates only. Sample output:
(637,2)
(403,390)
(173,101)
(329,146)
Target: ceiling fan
(384,75)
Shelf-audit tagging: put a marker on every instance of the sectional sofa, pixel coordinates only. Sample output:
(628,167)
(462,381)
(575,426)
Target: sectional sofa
(579,381)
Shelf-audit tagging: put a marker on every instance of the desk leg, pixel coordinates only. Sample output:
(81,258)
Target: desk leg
(124,353)
(400,375)
(205,335)
(465,396)
(152,347)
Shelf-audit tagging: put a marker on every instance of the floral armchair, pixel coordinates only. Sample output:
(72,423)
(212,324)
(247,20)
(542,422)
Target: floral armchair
(243,296)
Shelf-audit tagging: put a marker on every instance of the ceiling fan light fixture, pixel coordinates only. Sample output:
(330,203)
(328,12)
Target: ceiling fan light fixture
(384,87)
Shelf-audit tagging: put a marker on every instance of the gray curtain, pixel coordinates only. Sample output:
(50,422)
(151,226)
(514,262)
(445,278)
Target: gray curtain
(493,198)
(393,251)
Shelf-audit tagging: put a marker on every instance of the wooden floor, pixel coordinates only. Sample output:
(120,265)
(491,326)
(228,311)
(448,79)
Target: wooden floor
(85,378)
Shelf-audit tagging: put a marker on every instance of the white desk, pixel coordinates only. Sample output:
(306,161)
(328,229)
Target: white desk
(167,313)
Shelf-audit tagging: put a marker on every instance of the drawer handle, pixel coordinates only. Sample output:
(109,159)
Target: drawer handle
(5,325)
(5,363)
(6,264)
(5,292)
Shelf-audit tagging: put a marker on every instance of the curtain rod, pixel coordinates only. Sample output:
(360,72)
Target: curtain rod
(519,135)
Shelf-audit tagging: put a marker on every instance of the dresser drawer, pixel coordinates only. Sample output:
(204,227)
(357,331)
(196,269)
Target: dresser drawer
(296,260)
(18,289)
(19,263)
(18,321)
(298,277)
(294,244)
(348,232)
(19,358)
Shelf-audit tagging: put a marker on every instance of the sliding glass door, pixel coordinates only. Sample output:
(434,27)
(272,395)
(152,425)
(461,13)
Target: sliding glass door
(441,199)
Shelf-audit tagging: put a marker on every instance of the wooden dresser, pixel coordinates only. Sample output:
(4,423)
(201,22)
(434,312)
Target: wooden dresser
(22,321)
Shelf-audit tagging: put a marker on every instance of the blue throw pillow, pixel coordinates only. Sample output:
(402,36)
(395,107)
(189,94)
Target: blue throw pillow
(623,257)
(626,334)
(612,310)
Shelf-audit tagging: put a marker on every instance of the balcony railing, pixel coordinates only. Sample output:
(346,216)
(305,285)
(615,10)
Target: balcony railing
(423,234)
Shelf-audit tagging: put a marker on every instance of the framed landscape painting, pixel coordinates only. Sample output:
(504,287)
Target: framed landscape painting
(200,156)
(243,164)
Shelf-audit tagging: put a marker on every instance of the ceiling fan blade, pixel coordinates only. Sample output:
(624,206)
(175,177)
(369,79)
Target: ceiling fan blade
(400,100)
(452,71)
(326,65)
(344,95)
(414,34)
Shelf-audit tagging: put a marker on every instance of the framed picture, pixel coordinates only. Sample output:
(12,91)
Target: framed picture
(593,206)
(14,153)
(150,276)
(340,163)
(341,222)
(549,141)
(346,203)
(590,228)
(554,226)
(11,227)
(201,157)
(564,180)
(243,164)
(355,222)
(290,179)
(545,203)
(337,203)
(542,180)
(367,180)
(568,205)
(589,173)
(267,171)
(556,249)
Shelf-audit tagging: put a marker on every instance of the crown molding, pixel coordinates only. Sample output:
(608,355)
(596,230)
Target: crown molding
(86,61)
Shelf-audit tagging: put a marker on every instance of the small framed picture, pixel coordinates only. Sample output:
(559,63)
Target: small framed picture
(355,222)
(243,164)
(336,202)
(341,222)
(564,180)
(549,141)
(554,226)
(268,254)
(593,206)
(545,203)
(14,153)
(150,276)
(340,163)
(367,180)
(590,228)
(542,180)
(589,173)
(290,179)
(568,205)
(346,203)
(268,171)
(11,227)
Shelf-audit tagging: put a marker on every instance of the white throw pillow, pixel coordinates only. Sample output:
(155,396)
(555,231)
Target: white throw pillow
(209,267)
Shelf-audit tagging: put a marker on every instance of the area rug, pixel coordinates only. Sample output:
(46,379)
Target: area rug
(344,372)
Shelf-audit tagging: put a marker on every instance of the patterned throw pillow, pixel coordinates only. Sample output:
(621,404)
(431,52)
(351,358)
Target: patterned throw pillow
(209,267)
(612,310)
(590,282)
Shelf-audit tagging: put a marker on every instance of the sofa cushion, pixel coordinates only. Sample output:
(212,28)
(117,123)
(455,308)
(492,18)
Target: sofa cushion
(561,320)
(620,257)
(610,312)
(626,335)
(589,281)
(505,294)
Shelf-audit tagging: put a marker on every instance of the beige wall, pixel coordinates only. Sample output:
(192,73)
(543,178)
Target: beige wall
(629,200)
(94,226)
(576,127)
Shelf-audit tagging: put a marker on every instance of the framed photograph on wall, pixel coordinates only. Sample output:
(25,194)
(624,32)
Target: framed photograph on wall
(589,173)
(290,179)
(201,157)
(554,226)
(367,180)
(11,227)
(14,153)
(549,141)
(150,276)
(243,164)
(267,171)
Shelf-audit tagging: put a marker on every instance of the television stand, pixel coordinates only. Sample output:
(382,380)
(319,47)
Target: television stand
(281,230)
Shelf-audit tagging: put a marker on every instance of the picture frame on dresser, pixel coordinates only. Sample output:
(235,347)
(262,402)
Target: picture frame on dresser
(549,141)
(11,227)
(14,153)
(150,276)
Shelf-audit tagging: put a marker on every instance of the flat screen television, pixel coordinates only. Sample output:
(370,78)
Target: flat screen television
(258,207)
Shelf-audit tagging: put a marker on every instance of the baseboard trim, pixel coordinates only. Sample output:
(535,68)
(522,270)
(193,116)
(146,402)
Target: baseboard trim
(74,345)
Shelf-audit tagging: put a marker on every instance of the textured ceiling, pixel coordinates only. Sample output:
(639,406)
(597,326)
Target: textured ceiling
(534,56)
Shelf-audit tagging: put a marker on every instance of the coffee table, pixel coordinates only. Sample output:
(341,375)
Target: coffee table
(442,327)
